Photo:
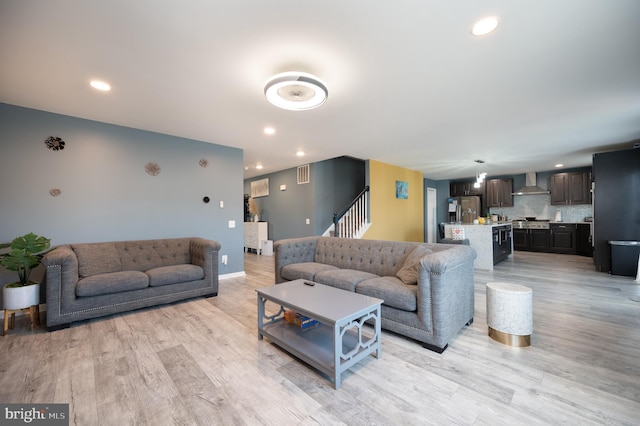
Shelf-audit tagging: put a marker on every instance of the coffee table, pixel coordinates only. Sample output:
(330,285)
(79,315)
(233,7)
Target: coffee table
(338,341)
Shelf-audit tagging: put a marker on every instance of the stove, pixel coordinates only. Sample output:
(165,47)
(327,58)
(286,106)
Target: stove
(530,223)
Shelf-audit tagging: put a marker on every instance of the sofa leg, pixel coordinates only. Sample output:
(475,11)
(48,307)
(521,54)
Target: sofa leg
(435,348)
(470,322)
(59,327)
(209,296)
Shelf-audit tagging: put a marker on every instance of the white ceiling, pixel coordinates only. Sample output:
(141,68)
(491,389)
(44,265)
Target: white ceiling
(408,84)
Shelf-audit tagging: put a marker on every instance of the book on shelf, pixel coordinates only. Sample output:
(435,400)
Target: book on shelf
(299,320)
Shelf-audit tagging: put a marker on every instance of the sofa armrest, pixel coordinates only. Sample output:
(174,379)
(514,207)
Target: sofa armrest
(293,250)
(204,253)
(446,290)
(61,278)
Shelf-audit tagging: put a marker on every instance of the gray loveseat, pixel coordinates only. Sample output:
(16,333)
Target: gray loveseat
(91,280)
(427,288)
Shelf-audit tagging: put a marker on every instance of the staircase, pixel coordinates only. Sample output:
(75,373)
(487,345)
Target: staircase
(353,222)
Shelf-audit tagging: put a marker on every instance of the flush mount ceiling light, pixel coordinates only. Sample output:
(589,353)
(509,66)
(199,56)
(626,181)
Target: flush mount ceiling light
(100,85)
(296,91)
(485,26)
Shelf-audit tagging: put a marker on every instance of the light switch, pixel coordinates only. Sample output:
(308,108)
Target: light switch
(221,204)
(307,221)
(232,224)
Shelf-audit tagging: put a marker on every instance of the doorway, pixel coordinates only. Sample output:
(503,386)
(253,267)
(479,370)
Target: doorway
(432,217)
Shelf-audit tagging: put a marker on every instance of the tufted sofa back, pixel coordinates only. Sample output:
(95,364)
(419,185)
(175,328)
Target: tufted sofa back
(382,258)
(142,255)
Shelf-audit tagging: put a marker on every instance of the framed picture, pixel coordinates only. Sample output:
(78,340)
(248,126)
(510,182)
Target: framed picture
(260,188)
(402,189)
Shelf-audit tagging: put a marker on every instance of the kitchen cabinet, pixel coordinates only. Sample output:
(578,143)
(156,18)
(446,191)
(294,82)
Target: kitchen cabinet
(563,238)
(498,193)
(570,188)
(254,234)
(583,239)
(531,239)
(501,243)
(460,189)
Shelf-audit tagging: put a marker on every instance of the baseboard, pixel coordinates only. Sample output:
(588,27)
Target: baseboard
(232,275)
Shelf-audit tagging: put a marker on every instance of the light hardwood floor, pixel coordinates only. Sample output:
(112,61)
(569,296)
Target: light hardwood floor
(199,362)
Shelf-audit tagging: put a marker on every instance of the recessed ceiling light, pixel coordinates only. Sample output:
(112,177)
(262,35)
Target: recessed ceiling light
(485,26)
(269,130)
(559,165)
(259,166)
(100,85)
(296,91)
(300,153)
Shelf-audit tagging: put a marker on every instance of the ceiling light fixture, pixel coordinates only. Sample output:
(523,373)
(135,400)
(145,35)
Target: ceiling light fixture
(100,85)
(296,91)
(484,26)
(300,153)
(269,130)
(479,176)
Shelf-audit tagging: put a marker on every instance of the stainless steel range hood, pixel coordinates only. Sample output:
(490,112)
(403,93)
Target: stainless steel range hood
(531,187)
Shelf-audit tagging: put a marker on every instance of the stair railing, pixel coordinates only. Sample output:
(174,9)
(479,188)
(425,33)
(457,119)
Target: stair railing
(354,220)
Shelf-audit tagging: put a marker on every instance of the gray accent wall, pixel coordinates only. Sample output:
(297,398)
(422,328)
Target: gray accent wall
(333,185)
(106,194)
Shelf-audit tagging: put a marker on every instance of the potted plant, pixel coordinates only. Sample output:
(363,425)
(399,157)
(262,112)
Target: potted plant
(25,254)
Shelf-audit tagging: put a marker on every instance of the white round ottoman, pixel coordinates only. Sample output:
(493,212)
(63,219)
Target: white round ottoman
(510,313)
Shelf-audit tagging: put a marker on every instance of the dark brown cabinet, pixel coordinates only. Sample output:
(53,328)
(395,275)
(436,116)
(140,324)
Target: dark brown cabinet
(570,188)
(531,239)
(501,243)
(460,189)
(498,193)
(563,238)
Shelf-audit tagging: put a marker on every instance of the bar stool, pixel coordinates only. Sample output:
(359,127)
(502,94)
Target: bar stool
(510,313)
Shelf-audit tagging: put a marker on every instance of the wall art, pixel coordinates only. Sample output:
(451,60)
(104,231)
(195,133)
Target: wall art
(260,188)
(54,143)
(402,190)
(152,168)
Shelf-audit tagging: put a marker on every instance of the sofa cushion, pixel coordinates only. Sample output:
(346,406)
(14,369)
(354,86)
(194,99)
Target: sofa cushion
(304,270)
(408,274)
(115,282)
(174,274)
(94,259)
(394,292)
(345,279)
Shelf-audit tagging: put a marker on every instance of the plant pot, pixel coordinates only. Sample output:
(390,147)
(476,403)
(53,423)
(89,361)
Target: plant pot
(15,298)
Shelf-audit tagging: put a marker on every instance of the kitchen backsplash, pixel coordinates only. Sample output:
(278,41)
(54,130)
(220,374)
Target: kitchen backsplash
(539,206)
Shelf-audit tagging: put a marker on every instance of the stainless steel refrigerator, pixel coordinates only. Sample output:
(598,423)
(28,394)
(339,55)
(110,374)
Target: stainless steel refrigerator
(464,209)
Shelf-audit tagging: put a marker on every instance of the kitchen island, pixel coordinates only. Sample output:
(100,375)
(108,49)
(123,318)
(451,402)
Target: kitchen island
(493,243)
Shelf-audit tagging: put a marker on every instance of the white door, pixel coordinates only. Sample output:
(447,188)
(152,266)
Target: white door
(432,217)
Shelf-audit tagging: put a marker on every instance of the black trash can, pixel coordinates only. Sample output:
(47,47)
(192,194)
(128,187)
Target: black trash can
(624,257)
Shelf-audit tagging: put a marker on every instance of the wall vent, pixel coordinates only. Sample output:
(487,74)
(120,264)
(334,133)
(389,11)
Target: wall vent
(303,174)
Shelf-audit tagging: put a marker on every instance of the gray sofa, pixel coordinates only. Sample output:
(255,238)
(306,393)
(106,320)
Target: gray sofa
(427,288)
(91,280)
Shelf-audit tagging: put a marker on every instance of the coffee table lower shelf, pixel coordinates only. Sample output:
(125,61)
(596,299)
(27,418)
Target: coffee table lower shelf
(315,346)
